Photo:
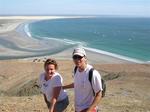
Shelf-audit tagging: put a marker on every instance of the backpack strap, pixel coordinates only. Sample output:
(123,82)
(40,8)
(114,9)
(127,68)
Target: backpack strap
(75,69)
(90,79)
(103,86)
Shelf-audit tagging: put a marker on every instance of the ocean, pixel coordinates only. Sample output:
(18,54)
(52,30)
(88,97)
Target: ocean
(126,38)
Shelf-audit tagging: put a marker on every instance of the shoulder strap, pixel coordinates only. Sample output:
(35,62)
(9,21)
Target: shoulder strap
(90,78)
(104,87)
(75,69)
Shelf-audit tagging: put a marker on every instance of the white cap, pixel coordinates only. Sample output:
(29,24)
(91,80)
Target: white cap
(79,51)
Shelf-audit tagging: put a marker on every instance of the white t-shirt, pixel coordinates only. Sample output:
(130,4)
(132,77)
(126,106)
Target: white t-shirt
(47,86)
(82,86)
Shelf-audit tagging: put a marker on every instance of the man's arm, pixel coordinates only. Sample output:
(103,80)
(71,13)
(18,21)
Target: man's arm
(68,86)
(96,100)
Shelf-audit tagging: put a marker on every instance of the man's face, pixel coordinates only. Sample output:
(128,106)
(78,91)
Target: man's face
(79,60)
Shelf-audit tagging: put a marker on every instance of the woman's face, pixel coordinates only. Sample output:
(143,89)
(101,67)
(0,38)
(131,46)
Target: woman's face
(50,69)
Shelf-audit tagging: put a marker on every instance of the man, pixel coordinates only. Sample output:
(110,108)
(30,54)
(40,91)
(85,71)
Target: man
(85,101)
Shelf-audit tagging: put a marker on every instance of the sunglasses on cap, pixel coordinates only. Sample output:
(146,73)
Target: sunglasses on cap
(77,57)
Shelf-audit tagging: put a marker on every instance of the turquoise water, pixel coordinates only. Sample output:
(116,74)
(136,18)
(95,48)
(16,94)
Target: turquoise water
(129,37)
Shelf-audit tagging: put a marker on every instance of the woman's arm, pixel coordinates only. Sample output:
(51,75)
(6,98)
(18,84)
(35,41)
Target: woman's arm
(68,86)
(56,91)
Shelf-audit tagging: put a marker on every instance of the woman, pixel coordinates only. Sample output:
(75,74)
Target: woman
(51,86)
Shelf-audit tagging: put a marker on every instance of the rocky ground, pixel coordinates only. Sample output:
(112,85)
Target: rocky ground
(127,86)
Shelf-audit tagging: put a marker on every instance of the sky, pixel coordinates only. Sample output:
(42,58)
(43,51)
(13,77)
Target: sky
(75,7)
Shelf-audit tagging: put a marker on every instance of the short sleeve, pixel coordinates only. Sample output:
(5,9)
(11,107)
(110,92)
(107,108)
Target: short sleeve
(57,81)
(96,81)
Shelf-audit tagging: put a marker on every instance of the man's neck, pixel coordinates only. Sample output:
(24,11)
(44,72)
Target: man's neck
(82,68)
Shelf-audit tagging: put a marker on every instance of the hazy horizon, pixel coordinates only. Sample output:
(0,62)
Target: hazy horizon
(139,8)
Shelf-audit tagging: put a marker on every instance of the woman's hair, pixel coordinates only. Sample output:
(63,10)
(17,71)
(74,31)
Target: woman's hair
(51,61)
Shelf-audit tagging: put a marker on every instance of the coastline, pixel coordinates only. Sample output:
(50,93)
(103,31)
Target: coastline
(28,47)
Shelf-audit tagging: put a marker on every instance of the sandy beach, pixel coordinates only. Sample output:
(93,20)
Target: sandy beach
(15,43)
(21,62)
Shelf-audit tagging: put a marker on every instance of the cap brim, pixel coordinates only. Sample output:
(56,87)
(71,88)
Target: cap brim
(78,54)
